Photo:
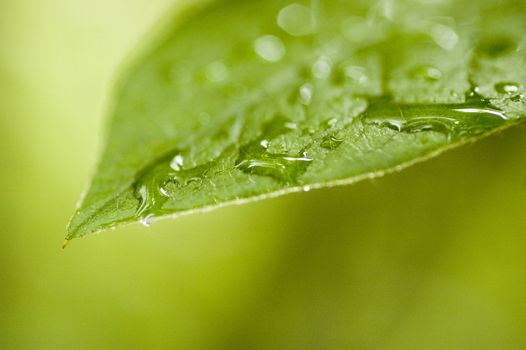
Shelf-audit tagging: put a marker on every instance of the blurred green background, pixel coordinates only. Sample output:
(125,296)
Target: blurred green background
(430,258)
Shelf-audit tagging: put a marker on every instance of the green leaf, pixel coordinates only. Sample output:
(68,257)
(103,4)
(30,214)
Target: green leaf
(249,99)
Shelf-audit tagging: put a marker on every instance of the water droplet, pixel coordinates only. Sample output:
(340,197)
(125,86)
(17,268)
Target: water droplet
(306,94)
(331,142)
(169,188)
(297,20)
(329,123)
(306,188)
(444,36)
(256,159)
(507,88)
(177,163)
(473,117)
(322,68)
(426,72)
(217,72)
(162,179)
(147,220)
(270,48)
(357,74)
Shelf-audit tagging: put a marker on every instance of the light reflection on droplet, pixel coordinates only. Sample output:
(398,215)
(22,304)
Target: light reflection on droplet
(357,73)
(270,48)
(322,68)
(306,94)
(290,125)
(146,220)
(507,88)
(444,36)
(177,163)
(296,20)
(429,73)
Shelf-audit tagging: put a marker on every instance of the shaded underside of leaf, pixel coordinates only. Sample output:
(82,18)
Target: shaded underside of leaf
(247,99)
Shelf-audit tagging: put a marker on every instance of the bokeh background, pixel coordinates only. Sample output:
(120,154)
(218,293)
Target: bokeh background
(430,258)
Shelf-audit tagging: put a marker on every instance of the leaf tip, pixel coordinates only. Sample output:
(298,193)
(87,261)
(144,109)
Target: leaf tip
(65,244)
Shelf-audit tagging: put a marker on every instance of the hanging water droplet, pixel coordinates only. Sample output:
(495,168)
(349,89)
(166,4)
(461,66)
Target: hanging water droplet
(216,72)
(146,220)
(306,91)
(177,163)
(297,20)
(507,88)
(270,48)
(290,125)
(322,68)
(444,36)
(429,73)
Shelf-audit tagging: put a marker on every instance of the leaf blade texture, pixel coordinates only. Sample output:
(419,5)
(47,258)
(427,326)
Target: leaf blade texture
(247,99)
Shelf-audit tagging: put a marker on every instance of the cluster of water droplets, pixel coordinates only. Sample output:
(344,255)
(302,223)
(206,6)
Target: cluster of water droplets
(473,117)
(166,177)
(256,157)
(296,20)
(513,91)
(162,180)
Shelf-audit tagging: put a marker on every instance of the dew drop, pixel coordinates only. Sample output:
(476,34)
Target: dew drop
(428,73)
(290,125)
(331,142)
(256,159)
(169,188)
(507,88)
(297,20)
(177,163)
(357,74)
(161,180)
(216,72)
(306,92)
(473,117)
(270,48)
(444,36)
(329,123)
(322,68)
(146,220)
